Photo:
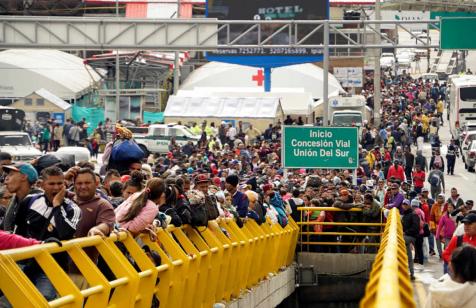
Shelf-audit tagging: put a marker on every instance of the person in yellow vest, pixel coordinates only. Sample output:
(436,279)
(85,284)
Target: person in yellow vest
(425,121)
(440,106)
(370,159)
(196,129)
(208,130)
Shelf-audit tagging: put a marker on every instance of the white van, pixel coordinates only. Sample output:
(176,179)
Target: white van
(19,145)
(158,137)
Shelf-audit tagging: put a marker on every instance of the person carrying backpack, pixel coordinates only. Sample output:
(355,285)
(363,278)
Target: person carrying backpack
(274,199)
(436,178)
(468,238)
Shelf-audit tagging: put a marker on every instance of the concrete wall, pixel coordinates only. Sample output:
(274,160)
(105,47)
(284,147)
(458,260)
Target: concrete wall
(268,293)
(346,264)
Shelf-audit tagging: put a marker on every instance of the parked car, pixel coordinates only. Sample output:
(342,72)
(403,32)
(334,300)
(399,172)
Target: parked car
(158,137)
(432,77)
(79,153)
(467,127)
(470,136)
(404,60)
(470,156)
(409,53)
(19,145)
(387,60)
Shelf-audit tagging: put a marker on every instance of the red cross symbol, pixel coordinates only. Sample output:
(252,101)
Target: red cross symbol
(259,77)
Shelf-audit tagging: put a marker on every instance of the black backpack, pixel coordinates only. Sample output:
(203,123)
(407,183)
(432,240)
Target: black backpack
(211,206)
(199,215)
(184,211)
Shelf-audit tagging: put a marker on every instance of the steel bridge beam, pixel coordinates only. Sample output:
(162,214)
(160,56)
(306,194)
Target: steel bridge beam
(78,33)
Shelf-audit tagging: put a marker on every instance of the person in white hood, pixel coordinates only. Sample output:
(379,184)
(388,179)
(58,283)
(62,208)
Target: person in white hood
(459,289)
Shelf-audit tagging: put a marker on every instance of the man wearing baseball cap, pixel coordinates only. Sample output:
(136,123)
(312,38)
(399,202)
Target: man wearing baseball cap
(468,238)
(202,181)
(19,181)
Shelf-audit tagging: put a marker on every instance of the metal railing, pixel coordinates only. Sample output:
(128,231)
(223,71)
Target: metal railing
(389,283)
(199,267)
(351,230)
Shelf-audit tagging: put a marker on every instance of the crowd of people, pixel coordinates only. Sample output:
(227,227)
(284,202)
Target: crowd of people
(236,173)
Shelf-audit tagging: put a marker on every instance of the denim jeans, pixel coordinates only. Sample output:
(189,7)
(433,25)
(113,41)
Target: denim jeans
(431,242)
(409,241)
(39,279)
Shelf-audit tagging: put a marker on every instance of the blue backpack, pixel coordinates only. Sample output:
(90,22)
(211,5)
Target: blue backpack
(278,205)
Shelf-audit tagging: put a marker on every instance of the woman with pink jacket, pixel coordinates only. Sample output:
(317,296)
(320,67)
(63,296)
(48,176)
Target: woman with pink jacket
(139,210)
(446,225)
(10,241)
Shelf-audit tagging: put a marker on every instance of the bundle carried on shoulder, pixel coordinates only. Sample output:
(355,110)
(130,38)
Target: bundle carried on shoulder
(124,150)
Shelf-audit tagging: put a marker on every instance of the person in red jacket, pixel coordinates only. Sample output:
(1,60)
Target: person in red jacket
(469,237)
(418,178)
(396,171)
(10,241)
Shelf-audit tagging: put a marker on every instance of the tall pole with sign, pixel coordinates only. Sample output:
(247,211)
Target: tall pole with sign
(325,79)
(177,60)
(377,84)
(118,80)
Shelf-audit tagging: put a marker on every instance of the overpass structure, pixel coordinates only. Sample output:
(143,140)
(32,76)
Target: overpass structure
(253,37)
(92,33)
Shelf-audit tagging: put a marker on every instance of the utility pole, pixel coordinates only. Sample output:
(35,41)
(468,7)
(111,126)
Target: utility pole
(325,79)
(377,84)
(177,60)
(118,81)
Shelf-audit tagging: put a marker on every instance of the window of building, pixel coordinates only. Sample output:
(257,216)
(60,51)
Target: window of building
(40,101)
(28,102)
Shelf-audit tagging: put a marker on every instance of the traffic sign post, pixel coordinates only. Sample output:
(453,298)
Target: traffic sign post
(320,147)
(454,33)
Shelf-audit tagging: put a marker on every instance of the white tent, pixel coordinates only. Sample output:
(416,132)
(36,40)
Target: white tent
(293,103)
(222,107)
(302,77)
(259,111)
(26,70)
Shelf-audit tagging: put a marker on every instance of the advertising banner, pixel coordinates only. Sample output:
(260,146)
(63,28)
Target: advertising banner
(269,10)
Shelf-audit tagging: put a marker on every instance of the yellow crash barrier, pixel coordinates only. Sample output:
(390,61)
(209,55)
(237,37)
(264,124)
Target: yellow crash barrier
(305,226)
(389,284)
(199,266)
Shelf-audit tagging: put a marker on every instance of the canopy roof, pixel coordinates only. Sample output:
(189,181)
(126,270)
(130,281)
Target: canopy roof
(26,70)
(244,79)
(53,99)
(222,107)
(293,103)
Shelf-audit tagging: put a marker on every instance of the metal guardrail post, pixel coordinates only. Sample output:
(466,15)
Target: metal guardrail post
(389,283)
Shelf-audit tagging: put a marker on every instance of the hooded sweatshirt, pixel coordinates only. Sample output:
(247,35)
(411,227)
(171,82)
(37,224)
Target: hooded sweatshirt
(446,293)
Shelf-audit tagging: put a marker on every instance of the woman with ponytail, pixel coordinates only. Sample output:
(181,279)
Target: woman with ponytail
(132,183)
(139,210)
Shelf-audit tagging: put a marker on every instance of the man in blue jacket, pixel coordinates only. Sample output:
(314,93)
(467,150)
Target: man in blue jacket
(239,199)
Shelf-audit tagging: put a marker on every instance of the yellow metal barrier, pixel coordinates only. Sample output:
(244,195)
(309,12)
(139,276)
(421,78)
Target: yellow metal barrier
(307,222)
(389,284)
(200,266)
